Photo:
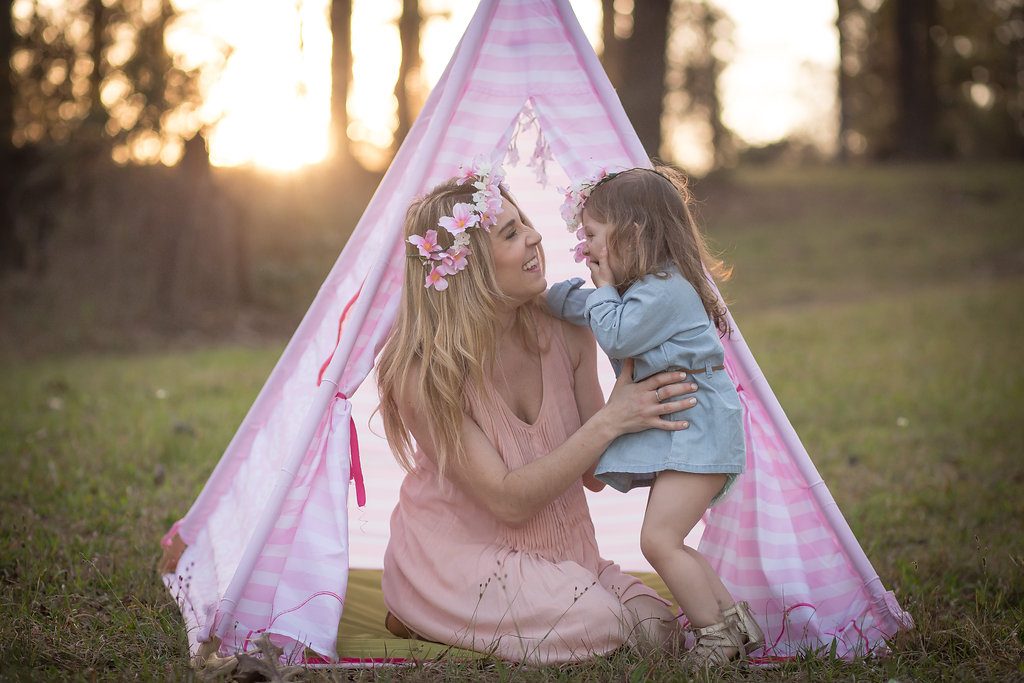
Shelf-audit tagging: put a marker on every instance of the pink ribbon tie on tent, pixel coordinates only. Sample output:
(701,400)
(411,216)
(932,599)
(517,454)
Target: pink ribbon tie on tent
(357,468)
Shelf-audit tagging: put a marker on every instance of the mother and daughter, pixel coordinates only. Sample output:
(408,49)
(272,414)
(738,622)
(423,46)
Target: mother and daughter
(490,400)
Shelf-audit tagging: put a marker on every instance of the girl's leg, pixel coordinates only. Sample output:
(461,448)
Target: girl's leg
(676,503)
(722,594)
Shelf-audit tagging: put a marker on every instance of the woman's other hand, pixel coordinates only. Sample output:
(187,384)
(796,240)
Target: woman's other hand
(635,406)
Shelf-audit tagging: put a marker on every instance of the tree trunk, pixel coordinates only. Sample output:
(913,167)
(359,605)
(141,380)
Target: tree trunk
(341,75)
(611,53)
(407,88)
(11,250)
(97,112)
(844,8)
(643,93)
(915,73)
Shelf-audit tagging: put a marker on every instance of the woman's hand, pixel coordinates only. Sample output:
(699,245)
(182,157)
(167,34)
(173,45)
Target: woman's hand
(635,406)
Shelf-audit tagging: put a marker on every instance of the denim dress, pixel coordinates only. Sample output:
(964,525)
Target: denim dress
(661,323)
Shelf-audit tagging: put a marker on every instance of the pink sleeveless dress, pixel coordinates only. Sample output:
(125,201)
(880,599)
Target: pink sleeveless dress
(540,593)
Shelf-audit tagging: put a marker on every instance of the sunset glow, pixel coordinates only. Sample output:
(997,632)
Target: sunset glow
(269,106)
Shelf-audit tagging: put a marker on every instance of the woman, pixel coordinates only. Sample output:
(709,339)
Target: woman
(492,547)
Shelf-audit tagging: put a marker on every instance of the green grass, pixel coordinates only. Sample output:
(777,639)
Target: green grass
(885,306)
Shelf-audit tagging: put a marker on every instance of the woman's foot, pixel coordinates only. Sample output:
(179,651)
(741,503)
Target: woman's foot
(394,625)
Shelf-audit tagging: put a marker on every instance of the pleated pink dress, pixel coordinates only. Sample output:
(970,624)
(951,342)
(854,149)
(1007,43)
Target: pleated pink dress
(540,593)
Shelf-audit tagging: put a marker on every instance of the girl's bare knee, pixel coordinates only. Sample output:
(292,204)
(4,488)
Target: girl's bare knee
(655,546)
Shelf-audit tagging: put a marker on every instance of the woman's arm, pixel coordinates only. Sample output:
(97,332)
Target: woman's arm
(515,496)
(586,387)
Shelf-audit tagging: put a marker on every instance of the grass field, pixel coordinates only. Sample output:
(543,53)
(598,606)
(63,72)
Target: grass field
(886,307)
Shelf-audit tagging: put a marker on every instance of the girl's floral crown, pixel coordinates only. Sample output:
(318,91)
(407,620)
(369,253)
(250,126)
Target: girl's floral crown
(576,196)
(482,213)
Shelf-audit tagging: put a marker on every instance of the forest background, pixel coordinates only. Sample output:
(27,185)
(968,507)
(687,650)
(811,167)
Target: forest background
(115,223)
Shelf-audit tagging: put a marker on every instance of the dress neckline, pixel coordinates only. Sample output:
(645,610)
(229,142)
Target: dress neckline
(543,390)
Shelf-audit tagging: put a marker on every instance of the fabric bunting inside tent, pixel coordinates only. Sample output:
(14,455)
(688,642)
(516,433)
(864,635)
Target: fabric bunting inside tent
(267,545)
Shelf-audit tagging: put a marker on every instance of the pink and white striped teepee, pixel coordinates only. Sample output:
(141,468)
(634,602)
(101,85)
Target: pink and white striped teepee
(265,547)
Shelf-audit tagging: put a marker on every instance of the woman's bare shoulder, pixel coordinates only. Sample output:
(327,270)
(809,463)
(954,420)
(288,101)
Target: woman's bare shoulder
(579,340)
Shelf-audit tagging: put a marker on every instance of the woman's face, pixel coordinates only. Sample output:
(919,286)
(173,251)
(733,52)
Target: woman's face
(518,256)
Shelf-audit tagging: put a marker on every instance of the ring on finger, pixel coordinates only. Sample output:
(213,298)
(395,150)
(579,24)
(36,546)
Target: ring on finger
(657,392)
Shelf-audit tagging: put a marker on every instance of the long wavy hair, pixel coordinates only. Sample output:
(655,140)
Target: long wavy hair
(652,224)
(450,336)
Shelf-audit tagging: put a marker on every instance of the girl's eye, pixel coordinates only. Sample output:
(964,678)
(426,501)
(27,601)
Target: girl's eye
(511,234)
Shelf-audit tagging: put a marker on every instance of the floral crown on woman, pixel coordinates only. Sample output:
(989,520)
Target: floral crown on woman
(483,213)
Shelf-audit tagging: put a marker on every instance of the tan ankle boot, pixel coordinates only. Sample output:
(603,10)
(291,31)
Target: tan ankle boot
(750,634)
(715,645)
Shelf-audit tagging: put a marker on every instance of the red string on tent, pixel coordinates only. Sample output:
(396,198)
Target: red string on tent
(341,322)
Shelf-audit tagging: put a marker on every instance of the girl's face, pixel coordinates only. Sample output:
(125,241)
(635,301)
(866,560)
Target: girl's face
(518,256)
(597,235)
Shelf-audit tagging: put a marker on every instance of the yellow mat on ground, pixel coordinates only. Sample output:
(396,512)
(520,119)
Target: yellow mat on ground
(362,636)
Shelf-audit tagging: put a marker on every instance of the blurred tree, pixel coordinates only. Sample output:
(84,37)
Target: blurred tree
(931,78)
(611,52)
(6,84)
(98,114)
(341,77)
(699,37)
(915,78)
(409,86)
(11,252)
(100,68)
(848,67)
(642,89)
(980,77)
(664,58)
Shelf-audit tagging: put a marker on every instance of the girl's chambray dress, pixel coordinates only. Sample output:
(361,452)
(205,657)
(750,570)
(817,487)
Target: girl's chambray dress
(661,323)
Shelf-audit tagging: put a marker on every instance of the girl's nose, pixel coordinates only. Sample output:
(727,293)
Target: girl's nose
(535,237)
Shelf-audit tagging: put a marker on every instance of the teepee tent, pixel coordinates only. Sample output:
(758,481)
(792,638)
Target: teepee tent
(265,548)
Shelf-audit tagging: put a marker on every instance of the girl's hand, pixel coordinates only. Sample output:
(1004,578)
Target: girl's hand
(600,271)
(635,406)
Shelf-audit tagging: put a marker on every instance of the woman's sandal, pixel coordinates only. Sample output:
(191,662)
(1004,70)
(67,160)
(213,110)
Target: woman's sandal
(751,635)
(711,644)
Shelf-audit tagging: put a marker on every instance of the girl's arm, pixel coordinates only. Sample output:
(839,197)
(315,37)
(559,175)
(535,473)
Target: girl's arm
(568,301)
(515,496)
(644,317)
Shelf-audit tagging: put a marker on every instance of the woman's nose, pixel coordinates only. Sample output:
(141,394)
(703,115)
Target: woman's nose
(535,237)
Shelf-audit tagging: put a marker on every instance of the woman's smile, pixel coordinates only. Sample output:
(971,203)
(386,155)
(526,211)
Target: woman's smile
(533,265)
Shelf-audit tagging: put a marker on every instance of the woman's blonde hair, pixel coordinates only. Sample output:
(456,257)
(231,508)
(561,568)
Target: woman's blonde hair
(451,335)
(652,224)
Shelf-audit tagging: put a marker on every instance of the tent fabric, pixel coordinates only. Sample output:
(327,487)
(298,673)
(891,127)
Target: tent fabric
(267,539)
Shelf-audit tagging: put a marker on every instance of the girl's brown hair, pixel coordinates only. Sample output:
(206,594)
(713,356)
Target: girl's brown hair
(652,226)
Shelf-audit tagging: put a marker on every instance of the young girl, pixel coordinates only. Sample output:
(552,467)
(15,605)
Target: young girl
(653,303)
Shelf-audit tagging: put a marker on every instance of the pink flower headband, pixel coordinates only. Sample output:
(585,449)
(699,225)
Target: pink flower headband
(482,213)
(576,196)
